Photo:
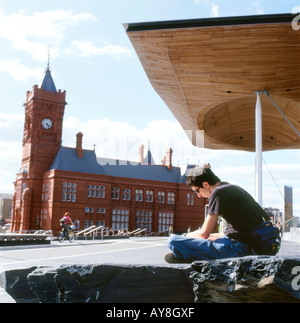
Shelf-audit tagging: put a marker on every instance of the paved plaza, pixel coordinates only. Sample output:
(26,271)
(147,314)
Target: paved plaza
(135,251)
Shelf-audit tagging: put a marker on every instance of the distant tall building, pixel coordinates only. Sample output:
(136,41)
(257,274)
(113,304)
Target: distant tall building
(96,191)
(288,205)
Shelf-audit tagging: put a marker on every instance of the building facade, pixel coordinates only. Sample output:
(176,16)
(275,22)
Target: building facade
(5,208)
(97,191)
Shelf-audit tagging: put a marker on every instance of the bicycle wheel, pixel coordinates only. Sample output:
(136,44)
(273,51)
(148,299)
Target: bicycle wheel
(71,236)
(60,236)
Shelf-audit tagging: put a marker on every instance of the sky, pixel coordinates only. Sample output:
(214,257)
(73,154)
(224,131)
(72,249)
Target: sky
(110,99)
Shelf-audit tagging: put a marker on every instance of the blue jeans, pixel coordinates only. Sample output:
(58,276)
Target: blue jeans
(203,249)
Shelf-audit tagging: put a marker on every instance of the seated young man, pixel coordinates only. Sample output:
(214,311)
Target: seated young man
(241,212)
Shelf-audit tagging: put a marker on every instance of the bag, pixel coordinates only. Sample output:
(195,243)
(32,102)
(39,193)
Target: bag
(266,239)
(62,221)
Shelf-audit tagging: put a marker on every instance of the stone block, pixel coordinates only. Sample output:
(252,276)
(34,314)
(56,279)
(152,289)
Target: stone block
(253,279)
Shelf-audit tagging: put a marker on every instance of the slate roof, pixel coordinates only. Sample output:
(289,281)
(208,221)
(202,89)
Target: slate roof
(47,83)
(67,160)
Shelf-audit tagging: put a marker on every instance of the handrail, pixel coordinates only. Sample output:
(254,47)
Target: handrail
(293,218)
(141,230)
(133,232)
(95,229)
(83,231)
(50,232)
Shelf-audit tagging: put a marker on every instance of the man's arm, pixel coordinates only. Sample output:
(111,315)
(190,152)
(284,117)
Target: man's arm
(207,228)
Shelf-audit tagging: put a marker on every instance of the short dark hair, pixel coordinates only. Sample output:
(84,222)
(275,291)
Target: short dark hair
(201,174)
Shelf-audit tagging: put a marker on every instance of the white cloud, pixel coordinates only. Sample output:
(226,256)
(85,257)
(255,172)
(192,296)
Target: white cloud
(215,11)
(88,48)
(258,7)
(33,33)
(121,140)
(19,71)
(11,127)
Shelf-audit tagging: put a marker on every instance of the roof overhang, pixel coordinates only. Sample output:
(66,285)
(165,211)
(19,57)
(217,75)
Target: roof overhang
(208,70)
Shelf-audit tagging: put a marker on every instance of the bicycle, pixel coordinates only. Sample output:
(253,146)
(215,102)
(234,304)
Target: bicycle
(66,235)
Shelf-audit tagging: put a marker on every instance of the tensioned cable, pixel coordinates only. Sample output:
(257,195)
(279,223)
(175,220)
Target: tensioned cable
(273,179)
(267,94)
(277,188)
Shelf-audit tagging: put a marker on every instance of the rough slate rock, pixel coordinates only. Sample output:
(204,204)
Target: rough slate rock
(111,284)
(253,279)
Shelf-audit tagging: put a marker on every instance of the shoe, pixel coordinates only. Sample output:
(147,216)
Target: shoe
(172,259)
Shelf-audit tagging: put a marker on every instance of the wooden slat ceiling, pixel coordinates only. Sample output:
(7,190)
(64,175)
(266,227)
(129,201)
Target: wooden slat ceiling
(208,75)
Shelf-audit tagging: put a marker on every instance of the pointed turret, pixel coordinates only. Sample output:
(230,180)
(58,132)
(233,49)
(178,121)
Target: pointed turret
(149,159)
(47,83)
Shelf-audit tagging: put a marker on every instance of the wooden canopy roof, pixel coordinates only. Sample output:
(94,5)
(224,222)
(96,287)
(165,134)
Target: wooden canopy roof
(208,70)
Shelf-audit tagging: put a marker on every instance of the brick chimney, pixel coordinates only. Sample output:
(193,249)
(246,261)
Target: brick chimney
(167,159)
(141,154)
(79,149)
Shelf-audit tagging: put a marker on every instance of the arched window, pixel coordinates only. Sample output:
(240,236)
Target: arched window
(161,197)
(139,195)
(171,198)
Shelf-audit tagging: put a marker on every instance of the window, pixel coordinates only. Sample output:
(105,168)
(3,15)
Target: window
(45,192)
(161,197)
(120,219)
(69,192)
(165,220)
(43,217)
(115,193)
(97,191)
(101,210)
(126,194)
(139,195)
(76,224)
(149,196)
(171,198)
(144,220)
(190,199)
(100,223)
(87,224)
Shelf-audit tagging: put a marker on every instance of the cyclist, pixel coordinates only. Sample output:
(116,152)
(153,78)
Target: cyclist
(65,222)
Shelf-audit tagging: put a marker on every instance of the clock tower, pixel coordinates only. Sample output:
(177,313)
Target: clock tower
(44,110)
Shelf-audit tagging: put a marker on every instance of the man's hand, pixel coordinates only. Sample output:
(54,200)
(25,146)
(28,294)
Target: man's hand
(215,236)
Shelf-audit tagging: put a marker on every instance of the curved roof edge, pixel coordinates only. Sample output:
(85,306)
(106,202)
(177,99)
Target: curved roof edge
(210,22)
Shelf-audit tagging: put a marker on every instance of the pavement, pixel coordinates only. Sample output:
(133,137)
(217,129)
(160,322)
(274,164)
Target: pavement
(134,251)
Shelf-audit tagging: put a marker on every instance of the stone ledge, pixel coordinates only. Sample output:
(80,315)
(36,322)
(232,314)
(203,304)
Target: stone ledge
(100,284)
(253,279)
(249,279)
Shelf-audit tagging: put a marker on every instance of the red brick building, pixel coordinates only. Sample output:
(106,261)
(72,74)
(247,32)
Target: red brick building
(96,191)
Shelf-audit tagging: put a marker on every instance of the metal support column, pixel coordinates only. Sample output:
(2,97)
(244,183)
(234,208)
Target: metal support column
(258,148)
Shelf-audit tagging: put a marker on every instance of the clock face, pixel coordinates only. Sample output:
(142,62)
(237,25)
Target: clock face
(47,123)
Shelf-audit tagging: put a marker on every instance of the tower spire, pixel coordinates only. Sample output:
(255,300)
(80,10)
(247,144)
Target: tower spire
(48,64)
(47,83)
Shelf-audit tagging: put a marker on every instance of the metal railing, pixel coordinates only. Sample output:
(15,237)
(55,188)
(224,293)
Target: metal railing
(291,229)
(84,231)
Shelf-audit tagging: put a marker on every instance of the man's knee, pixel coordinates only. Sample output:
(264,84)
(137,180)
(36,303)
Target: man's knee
(174,240)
